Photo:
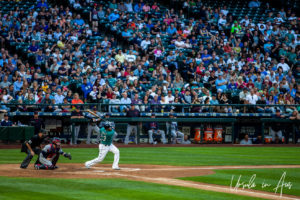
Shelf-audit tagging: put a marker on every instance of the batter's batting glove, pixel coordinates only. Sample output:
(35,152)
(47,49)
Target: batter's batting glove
(68,155)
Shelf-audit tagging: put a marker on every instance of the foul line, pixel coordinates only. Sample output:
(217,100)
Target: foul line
(224,167)
(223,189)
(209,187)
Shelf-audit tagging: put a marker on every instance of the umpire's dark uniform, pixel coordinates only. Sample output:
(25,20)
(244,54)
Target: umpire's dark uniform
(35,144)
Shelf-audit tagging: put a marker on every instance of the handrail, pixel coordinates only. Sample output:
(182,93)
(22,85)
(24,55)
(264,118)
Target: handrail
(108,104)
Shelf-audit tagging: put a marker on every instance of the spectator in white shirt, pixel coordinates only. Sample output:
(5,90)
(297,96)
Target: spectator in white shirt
(59,97)
(243,95)
(145,43)
(252,98)
(125,100)
(130,57)
(169,98)
(222,21)
(231,59)
(93,94)
(279,18)
(246,20)
(179,43)
(285,67)
(114,100)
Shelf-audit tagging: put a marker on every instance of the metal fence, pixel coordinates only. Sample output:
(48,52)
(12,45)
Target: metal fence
(157,108)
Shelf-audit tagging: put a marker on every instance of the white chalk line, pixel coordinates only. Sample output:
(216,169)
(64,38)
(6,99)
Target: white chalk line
(223,167)
(223,189)
(176,182)
(169,181)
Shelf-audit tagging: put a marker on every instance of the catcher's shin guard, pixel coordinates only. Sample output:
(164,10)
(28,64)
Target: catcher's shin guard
(38,160)
(43,167)
(55,159)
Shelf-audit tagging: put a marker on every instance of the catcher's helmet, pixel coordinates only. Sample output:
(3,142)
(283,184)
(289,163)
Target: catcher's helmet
(56,141)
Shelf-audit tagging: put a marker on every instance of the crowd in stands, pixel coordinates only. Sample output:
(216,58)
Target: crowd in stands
(168,58)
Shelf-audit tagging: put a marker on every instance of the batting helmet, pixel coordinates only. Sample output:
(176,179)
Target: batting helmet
(107,124)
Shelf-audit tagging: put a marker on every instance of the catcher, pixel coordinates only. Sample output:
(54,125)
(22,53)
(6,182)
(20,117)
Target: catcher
(50,155)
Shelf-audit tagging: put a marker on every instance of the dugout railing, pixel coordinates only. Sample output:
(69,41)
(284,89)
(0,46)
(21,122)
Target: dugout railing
(236,120)
(157,108)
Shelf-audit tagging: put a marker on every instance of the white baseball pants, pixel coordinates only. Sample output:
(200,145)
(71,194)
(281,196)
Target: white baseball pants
(45,161)
(103,150)
(158,132)
(175,134)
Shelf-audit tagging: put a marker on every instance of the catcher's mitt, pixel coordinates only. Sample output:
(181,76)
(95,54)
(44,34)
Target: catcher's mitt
(68,155)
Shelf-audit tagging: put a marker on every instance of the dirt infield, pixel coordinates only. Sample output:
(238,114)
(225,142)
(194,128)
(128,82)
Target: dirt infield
(149,173)
(121,145)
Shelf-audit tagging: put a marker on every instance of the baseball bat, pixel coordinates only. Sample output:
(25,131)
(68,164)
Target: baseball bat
(91,112)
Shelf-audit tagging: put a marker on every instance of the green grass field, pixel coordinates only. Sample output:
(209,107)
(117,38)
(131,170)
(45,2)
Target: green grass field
(184,156)
(108,189)
(33,188)
(266,176)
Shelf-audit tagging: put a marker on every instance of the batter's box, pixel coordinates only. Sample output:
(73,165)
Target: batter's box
(122,169)
(95,172)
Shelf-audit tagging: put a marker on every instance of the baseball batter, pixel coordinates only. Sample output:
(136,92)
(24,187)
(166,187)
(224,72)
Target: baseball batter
(107,134)
(174,130)
(50,154)
(113,125)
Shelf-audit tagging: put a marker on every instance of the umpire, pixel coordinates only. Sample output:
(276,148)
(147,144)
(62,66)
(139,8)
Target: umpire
(32,147)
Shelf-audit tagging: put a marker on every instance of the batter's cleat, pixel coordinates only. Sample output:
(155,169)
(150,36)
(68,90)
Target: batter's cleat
(55,167)
(86,166)
(37,166)
(116,168)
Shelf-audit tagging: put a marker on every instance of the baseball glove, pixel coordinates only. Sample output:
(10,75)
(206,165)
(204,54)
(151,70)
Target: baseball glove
(68,155)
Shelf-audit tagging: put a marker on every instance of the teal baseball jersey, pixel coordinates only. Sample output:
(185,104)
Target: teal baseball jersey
(106,136)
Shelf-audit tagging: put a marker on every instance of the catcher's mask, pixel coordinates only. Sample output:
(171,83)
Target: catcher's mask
(56,141)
